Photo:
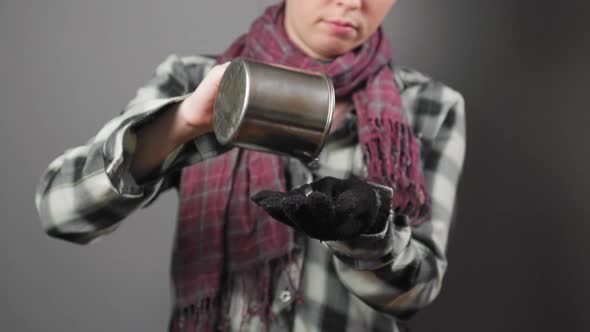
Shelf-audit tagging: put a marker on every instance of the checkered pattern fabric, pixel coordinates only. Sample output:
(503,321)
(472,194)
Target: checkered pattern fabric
(87,192)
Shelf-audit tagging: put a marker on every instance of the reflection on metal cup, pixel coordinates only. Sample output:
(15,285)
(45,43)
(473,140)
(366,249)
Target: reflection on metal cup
(274,109)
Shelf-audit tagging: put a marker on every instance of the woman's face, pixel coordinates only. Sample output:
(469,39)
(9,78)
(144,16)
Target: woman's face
(327,28)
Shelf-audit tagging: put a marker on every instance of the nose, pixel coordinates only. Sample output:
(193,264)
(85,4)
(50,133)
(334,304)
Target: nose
(352,4)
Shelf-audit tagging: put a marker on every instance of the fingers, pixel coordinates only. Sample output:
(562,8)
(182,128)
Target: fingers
(292,207)
(356,202)
(315,207)
(330,186)
(216,73)
(314,214)
(197,109)
(271,202)
(333,187)
(335,209)
(210,84)
(266,194)
(356,210)
(303,190)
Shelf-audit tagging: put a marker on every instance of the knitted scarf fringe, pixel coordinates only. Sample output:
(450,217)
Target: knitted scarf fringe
(213,313)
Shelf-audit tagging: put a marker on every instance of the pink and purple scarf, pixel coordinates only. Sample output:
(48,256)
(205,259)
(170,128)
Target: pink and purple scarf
(223,237)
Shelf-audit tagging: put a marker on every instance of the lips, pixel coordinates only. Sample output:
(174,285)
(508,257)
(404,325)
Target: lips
(341,23)
(341,28)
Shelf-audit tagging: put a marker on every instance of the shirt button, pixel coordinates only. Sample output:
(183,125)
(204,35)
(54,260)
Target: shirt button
(285,296)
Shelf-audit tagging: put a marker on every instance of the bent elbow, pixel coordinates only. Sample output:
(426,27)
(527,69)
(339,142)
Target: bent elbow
(76,238)
(80,237)
(419,296)
(71,226)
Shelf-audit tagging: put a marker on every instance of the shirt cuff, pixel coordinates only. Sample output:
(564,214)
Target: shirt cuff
(120,145)
(381,247)
(119,148)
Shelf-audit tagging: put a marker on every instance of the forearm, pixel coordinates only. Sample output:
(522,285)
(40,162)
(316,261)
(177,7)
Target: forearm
(88,190)
(410,276)
(410,280)
(180,123)
(399,270)
(76,199)
(156,139)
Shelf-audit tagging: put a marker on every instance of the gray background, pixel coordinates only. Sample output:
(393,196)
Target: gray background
(518,252)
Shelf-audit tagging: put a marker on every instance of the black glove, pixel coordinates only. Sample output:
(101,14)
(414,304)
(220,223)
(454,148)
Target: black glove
(329,209)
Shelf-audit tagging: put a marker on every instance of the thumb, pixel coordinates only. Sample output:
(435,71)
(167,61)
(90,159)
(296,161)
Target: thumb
(271,202)
(266,194)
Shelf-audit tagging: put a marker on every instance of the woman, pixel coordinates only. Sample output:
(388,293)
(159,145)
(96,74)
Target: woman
(349,256)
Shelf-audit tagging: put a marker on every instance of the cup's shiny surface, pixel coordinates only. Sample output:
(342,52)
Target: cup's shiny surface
(274,108)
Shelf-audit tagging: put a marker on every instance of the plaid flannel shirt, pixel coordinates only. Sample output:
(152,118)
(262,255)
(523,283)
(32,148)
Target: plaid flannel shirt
(370,283)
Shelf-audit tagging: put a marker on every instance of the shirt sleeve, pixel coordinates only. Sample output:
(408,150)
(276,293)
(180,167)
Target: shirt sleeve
(400,269)
(86,192)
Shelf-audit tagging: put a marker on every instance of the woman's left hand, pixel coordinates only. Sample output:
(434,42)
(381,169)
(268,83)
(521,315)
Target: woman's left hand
(329,209)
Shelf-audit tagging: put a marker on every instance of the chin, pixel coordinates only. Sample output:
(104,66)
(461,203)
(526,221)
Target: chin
(334,49)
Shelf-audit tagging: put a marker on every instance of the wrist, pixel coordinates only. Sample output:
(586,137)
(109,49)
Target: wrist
(366,251)
(384,206)
(189,127)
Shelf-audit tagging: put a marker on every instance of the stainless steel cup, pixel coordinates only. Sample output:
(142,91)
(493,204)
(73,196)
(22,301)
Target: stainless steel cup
(274,108)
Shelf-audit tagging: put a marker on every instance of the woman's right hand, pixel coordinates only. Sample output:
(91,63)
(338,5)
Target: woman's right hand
(197,109)
(191,119)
